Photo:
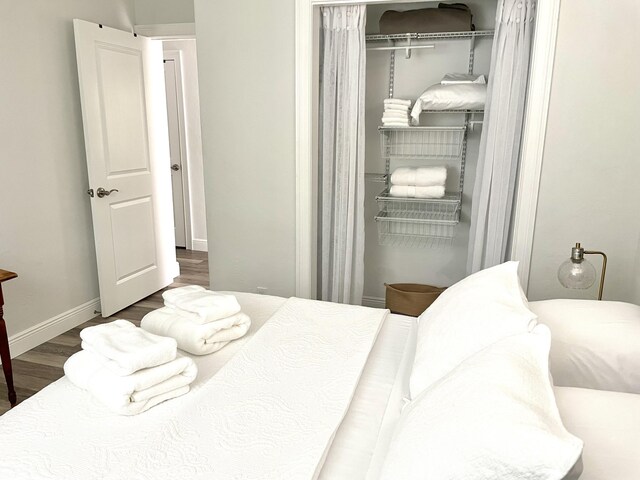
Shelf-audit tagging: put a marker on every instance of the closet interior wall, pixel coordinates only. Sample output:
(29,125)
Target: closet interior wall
(440,266)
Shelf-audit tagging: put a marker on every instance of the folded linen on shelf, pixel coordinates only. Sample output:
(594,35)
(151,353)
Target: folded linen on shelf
(127,348)
(396,108)
(208,306)
(130,394)
(390,114)
(395,123)
(396,101)
(419,177)
(198,339)
(461,78)
(436,191)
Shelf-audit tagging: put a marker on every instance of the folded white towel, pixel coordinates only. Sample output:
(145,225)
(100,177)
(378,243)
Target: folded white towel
(170,296)
(396,108)
(416,192)
(397,101)
(207,305)
(131,394)
(460,78)
(419,177)
(127,348)
(192,337)
(392,114)
(395,123)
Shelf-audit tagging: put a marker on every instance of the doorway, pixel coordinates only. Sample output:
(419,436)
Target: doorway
(183,113)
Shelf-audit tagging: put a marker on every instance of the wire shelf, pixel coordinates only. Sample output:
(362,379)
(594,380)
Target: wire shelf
(446,209)
(429,36)
(413,229)
(439,143)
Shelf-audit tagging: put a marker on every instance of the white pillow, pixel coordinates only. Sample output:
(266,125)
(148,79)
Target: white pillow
(594,344)
(494,416)
(462,96)
(468,316)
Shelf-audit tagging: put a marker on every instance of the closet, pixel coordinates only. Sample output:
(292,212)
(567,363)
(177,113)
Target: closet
(414,239)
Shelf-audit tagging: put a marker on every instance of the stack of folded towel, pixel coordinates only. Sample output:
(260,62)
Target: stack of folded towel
(423,182)
(201,321)
(127,369)
(396,112)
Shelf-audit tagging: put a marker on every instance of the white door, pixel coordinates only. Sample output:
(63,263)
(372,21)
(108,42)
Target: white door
(175,146)
(125,128)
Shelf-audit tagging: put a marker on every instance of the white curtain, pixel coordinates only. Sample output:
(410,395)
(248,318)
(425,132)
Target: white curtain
(493,193)
(341,142)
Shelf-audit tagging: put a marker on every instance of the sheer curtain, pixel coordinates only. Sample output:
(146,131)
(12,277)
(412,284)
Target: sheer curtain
(493,192)
(341,142)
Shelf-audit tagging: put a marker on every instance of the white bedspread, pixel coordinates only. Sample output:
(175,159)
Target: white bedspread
(215,431)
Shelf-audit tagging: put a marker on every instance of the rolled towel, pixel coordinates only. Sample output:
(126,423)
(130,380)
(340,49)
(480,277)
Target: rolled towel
(131,394)
(207,305)
(192,337)
(397,101)
(127,348)
(416,192)
(419,177)
(170,296)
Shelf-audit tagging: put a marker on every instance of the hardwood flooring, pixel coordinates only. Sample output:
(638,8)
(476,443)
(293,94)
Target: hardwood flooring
(37,368)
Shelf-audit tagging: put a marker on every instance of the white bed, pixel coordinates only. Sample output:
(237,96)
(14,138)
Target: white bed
(64,433)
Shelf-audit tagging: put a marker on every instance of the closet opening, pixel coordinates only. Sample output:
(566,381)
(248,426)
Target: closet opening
(412,139)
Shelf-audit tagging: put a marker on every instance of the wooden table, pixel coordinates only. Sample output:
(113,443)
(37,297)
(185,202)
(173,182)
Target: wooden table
(5,356)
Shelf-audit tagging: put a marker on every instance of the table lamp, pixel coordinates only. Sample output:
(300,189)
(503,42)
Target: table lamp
(578,272)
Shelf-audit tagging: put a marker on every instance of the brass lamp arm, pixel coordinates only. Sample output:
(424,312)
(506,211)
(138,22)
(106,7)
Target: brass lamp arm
(604,268)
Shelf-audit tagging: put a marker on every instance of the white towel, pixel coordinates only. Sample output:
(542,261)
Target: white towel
(397,101)
(392,114)
(419,177)
(208,306)
(461,78)
(395,123)
(192,337)
(131,394)
(416,192)
(126,347)
(396,108)
(170,296)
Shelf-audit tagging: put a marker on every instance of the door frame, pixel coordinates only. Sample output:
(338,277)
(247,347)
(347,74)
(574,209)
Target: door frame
(535,126)
(176,57)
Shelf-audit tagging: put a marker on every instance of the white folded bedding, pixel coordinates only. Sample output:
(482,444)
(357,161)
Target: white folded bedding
(466,96)
(192,337)
(434,191)
(130,394)
(127,348)
(419,177)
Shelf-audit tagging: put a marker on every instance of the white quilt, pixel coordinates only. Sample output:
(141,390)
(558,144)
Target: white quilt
(271,412)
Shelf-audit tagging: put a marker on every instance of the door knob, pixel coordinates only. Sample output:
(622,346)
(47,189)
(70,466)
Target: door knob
(101,192)
(175,167)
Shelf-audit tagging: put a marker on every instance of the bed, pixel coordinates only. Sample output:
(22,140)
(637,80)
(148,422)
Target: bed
(62,432)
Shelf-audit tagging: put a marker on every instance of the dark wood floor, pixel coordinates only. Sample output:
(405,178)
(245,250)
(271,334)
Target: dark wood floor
(37,368)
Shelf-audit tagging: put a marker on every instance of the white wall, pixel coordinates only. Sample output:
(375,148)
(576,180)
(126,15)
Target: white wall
(247,106)
(151,12)
(45,218)
(433,266)
(193,138)
(589,186)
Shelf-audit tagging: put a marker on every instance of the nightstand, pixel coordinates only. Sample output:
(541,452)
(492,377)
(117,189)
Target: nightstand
(5,356)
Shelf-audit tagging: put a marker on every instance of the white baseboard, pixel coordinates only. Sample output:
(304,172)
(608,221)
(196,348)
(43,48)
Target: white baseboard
(45,331)
(375,302)
(199,245)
